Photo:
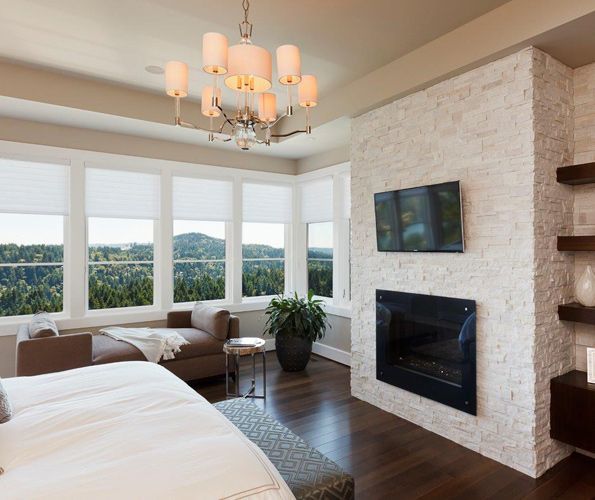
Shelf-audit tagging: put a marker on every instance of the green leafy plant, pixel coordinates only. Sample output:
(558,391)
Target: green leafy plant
(298,316)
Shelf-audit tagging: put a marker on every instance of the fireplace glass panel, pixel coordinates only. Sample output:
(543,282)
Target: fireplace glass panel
(426,344)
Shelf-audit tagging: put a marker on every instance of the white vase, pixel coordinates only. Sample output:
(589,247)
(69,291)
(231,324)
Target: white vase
(584,288)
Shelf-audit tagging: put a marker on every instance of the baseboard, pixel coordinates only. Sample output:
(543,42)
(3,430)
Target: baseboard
(332,353)
(325,351)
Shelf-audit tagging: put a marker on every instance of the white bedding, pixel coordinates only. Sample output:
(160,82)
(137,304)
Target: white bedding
(125,430)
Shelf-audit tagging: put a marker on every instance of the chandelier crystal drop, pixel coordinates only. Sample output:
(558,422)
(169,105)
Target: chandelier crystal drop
(247,69)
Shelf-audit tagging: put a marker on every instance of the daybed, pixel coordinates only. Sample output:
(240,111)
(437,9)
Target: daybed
(202,357)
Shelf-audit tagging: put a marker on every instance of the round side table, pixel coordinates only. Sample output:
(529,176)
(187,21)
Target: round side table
(236,352)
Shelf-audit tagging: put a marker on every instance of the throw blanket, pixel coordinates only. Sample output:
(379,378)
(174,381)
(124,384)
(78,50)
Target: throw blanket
(154,343)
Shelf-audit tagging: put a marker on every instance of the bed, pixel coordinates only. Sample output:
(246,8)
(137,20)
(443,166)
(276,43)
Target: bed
(127,430)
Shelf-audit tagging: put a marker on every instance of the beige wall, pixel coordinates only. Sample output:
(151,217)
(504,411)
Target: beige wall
(105,142)
(7,356)
(322,160)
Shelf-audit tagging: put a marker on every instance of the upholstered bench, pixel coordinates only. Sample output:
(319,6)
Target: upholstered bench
(307,472)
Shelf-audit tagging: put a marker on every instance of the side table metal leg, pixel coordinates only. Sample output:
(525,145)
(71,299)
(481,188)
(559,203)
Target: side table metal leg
(237,372)
(264,374)
(226,374)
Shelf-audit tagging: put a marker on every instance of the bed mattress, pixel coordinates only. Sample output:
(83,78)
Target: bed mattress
(125,430)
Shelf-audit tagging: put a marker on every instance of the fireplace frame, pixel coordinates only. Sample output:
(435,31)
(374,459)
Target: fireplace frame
(462,397)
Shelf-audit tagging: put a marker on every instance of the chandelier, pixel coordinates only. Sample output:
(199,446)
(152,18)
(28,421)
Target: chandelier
(247,70)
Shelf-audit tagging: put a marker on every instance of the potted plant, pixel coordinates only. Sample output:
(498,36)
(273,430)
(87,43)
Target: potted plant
(295,323)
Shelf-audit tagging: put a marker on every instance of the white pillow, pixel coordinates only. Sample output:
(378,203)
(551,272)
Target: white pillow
(5,407)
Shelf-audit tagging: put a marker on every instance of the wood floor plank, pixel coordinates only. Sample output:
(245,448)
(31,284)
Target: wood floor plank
(388,456)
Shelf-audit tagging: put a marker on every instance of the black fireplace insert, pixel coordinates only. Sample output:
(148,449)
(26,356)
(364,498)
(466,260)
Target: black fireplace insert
(425,344)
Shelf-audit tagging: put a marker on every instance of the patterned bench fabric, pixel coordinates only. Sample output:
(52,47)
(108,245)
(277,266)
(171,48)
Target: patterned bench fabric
(307,472)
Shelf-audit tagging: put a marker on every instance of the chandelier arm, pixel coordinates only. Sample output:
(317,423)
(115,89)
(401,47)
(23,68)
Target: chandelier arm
(184,124)
(290,133)
(227,120)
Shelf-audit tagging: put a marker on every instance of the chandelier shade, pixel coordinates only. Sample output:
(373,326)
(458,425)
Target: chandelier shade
(267,107)
(308,91)
(289,65)
(214,53)
(206,104)
(176,79)
(250,68)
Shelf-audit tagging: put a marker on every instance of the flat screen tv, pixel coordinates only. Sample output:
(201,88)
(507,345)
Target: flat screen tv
(421,219)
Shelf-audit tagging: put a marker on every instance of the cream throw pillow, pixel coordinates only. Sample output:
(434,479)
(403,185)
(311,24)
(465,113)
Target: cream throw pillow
(5,407)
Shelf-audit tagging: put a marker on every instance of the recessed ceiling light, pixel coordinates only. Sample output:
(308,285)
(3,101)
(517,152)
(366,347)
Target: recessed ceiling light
(154,70)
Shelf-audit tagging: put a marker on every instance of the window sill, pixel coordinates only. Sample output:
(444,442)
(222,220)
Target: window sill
(93,319)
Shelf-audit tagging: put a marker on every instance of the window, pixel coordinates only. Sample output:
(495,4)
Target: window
(33,203)
(201,208)
(121,257)
(320,258)
(316,203)
(263,256)
(122,208)
(266,211)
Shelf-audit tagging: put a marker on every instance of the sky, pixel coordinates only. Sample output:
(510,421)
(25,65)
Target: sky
(48,229)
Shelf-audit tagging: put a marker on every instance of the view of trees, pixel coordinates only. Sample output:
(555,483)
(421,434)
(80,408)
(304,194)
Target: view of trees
(320,271)
(29,289)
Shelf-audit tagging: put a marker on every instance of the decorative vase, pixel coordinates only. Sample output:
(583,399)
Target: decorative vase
(293,352)
(584,288)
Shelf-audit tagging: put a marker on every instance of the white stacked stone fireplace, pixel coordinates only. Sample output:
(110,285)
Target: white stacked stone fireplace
(502,130)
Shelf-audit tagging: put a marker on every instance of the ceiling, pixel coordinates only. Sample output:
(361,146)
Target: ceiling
(115,40)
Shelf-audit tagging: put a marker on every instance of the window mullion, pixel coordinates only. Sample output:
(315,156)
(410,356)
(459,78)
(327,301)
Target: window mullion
(75,245)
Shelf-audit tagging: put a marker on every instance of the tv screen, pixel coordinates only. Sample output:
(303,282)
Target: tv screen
(421,219)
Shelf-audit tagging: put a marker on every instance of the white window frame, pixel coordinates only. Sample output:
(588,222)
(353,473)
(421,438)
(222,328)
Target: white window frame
(154,263)
(62,264)
(340,303)
(22,153)
(75,311)
(286,266)
(265,178)
(226,261)
(331,260)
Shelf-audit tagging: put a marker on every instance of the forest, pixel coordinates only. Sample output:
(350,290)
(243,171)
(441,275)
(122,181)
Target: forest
(112,283)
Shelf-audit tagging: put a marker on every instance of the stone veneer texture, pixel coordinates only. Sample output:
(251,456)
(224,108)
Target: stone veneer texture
(501,129)
(584,199)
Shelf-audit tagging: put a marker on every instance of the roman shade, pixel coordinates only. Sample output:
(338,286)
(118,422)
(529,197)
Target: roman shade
(267,202)
(121,194)
(316,200)
(202,199)
(33,188)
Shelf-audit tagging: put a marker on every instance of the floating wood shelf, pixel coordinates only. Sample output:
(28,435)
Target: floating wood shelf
(576,243)
(576,174)
(576,312)
(572,410)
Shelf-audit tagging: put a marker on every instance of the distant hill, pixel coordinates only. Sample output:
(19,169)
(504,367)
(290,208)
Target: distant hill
(186,246)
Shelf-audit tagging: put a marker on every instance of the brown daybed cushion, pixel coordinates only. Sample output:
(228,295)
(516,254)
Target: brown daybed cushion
(213,320)
(109,350)
(201,344)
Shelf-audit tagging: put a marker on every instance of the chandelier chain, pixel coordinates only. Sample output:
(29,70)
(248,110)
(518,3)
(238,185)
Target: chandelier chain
(246,7)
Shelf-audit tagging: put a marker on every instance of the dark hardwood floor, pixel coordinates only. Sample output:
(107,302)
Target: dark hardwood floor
(391,457)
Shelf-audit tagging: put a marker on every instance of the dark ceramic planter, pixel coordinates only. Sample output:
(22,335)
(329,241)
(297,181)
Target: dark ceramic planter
(293,352)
